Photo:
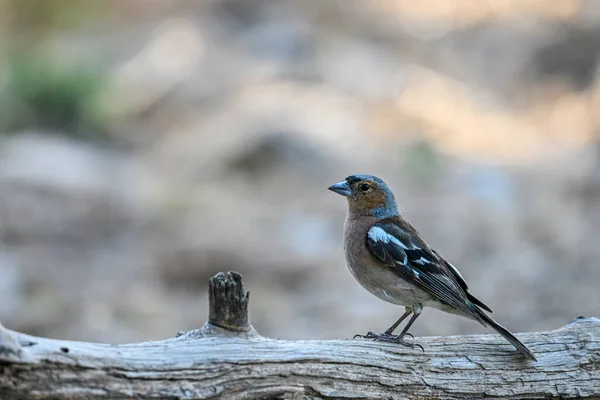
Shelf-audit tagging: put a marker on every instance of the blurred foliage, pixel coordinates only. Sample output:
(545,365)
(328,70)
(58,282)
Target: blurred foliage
(35,16)
(421,163)
(35,91)
(39,94)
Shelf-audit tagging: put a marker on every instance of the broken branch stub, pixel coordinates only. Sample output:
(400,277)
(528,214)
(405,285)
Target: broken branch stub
(228,303)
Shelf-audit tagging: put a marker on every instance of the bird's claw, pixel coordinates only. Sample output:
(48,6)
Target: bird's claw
(384,337)
(369,335)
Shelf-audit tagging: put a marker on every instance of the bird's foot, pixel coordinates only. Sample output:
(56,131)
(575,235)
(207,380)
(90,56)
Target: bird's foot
(386,337)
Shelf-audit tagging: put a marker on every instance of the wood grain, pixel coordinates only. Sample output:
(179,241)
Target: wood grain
(213,363)
(235,362)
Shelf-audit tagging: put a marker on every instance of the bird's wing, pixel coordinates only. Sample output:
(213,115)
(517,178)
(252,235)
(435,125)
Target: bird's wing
(462,282)
(415,262)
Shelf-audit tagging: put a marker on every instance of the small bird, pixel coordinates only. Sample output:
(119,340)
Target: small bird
(388,257)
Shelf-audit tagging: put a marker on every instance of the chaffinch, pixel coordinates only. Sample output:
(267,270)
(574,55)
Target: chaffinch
(388,257)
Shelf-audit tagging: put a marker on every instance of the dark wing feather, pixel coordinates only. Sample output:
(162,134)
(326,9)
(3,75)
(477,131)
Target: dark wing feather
(461,281)
(415,262)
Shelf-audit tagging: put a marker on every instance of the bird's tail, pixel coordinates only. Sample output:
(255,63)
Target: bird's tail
(508,336)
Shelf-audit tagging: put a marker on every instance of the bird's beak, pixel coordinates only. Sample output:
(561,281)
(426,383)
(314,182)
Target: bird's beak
(342,188)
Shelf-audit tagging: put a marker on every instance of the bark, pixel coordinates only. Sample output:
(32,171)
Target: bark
(237,363)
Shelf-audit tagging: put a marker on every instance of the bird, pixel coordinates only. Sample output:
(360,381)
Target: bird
(388,257)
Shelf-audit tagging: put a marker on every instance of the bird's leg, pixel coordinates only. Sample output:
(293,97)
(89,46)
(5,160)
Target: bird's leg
(387,335)
(417,312)
(392,328)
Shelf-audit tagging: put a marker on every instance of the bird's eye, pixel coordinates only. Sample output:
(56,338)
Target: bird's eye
(365,187)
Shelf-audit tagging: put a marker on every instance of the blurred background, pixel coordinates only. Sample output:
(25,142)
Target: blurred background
(146,145)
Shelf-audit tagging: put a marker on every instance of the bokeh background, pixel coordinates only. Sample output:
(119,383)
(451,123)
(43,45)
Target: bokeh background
(146,145)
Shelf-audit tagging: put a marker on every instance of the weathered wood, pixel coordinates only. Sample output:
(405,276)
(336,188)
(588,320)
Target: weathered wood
(213,362)
(10,349)
(228,304)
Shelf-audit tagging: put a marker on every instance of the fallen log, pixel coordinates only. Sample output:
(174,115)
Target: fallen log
(227,358)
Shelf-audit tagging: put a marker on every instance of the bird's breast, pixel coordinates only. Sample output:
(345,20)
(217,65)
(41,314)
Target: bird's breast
(373,275)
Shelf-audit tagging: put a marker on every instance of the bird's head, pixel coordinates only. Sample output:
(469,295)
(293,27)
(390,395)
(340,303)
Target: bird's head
(367,195)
